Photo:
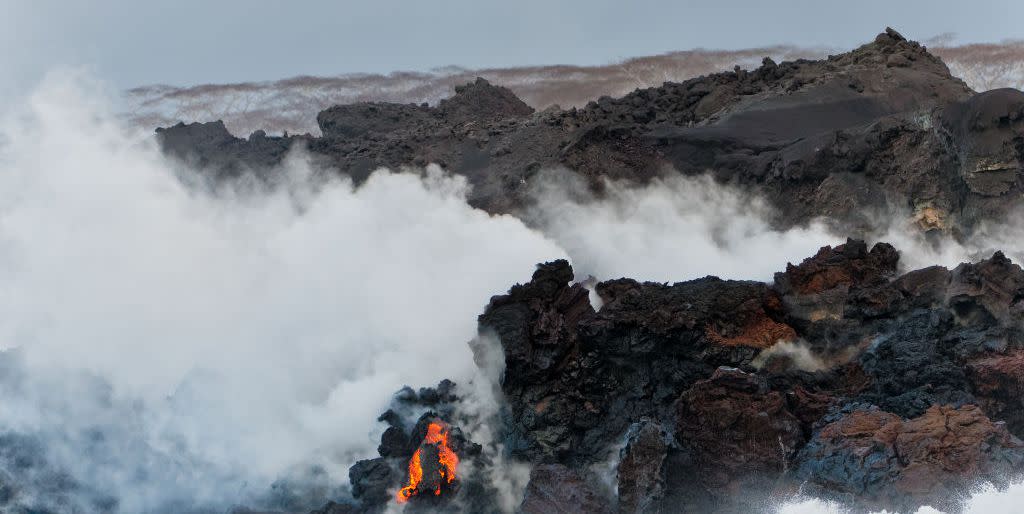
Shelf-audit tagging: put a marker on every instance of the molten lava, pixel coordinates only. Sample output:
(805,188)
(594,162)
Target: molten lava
(435,442)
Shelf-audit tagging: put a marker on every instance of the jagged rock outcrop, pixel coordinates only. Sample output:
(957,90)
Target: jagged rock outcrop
(883,128)
(572,372)
(879,390)
(998,382)
(986,134)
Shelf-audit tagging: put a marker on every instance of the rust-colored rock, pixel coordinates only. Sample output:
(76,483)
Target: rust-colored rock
(883,460)
(741,434)
(849,264)
(998,382)
(759,332)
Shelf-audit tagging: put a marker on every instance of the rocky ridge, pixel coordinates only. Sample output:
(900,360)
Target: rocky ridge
(883,128)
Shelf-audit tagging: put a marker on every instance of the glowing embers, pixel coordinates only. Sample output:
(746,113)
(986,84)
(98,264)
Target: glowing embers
(432,467)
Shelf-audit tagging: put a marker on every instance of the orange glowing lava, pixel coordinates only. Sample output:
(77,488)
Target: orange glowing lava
(437,435)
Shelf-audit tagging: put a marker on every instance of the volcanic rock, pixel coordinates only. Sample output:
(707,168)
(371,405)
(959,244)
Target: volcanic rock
(574,377)
(987,134)
(211,147)
(998,382)
(988,291)
(849,265)
(824,286)
(368,120)
(753,417)
(883,461)
(881,129)
(556,489)
(741,434)
(913,365)
(642,468)
(372,480)
(481,101)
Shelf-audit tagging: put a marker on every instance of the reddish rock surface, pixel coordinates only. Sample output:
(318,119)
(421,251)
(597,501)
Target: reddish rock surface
(999,384)
(741,434)
(886,461)
(846,265)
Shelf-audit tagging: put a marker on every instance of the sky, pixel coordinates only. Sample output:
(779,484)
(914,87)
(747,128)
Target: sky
(186,42)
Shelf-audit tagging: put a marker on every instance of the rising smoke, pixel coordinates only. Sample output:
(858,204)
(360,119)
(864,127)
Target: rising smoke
(172,348)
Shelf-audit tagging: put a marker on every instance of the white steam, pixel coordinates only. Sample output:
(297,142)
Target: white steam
(675,228)
(917,252)
(479,406)
(225,339)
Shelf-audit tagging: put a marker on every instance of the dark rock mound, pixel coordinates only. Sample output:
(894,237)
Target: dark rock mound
(575,378)
(210,146)
(479,101)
